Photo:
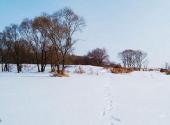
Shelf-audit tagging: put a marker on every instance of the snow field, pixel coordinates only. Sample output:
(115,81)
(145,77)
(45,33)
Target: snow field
(95,97)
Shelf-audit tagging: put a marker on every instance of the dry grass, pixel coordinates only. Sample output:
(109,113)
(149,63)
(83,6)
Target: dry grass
(121,70)
(56,74)
(166,71)
(163,70)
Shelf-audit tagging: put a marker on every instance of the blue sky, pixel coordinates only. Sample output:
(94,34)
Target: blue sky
(113,24)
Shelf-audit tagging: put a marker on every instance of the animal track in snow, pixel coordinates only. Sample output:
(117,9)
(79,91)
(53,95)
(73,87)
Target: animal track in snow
(109,106)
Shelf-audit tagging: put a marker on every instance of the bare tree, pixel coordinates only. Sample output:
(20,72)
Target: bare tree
(6,47)
(14,37)
(140,58)
(67,23)
(127,57)
(133,58)
(52,57)
(40,26)
(1,50)
(35,33)
(98,56)
(31,36)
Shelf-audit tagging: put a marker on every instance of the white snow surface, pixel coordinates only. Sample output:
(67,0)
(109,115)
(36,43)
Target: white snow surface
(96,97)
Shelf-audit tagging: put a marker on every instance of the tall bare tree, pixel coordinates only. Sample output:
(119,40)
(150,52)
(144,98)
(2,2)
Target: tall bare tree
(13,36)
(6,47)
(1,50)
(67,23)
(140,58)
(34,32)
(40,26)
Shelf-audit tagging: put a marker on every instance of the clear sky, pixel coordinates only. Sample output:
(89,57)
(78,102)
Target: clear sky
(113,24)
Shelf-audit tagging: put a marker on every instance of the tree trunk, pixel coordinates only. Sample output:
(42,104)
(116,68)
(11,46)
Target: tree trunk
(63,65)
(36,58)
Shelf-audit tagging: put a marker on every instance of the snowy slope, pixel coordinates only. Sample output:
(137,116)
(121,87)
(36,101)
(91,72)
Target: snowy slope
(142,98)
(94,98)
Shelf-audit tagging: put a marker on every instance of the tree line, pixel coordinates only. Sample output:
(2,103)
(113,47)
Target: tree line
(49,39)
(42,40)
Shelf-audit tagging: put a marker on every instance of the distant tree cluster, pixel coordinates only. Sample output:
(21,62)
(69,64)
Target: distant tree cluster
(42,40)
(133,58)
(95,57)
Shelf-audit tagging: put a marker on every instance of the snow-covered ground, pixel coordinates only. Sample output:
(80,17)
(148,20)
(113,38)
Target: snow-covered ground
(94,98)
